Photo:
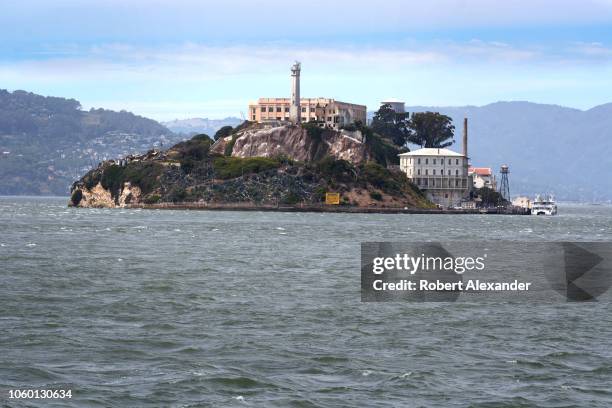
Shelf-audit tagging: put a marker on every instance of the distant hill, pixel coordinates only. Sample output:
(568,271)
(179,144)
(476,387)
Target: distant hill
(549,148)
(47,142)
(200,125)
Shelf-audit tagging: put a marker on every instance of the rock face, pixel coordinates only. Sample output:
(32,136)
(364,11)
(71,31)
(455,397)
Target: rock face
(297,143)
(99,197)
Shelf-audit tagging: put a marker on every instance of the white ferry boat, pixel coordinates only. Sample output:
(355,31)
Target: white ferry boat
(544,206)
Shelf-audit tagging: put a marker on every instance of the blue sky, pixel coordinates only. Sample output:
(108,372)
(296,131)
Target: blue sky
(181,59)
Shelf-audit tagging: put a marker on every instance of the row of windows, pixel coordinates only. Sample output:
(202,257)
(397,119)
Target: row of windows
(279,109)
(435,160)
(434,172)
(287,118)
(304,109)
(438,183)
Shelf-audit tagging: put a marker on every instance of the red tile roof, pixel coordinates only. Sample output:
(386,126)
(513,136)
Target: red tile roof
(481,171)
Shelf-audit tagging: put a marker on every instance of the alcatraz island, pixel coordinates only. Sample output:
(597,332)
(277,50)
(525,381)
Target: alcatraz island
(305,154)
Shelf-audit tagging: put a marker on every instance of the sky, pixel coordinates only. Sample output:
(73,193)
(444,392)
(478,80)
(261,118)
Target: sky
(182,59)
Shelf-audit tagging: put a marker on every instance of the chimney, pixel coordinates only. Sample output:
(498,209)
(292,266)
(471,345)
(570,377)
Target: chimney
(465,135)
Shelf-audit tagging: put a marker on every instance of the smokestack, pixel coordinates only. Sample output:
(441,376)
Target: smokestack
(465,135)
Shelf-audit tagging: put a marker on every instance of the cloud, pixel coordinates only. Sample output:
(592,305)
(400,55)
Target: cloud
(195,79)
(196,62)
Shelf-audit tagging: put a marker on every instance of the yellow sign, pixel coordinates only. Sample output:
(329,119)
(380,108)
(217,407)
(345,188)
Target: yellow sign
(332,198)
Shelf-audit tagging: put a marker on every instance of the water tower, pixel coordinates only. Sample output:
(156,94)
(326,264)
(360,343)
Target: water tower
(504,185)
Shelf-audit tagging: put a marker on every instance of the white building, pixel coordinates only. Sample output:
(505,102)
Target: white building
(397,105)
(482,177)
(441,173)
(523,202)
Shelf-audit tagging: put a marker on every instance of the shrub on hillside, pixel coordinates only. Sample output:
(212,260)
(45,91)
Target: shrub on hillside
(223,132)
(334,170)
(381,177)
(232,167)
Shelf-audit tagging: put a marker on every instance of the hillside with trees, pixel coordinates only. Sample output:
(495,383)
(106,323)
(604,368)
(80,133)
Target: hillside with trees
(47,142)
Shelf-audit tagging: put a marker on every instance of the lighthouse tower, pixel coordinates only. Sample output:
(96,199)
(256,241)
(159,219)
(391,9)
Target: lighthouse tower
(295,112)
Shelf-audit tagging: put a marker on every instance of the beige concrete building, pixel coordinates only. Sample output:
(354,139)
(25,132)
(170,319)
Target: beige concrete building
(441,173)
(328,112)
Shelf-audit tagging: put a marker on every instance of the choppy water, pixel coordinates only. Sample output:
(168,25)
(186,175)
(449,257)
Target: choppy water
(133,308)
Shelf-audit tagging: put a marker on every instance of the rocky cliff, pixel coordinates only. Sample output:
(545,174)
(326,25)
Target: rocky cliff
(255,166)
(296,142)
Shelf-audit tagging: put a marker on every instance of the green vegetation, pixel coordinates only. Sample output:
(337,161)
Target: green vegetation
(177,195)
(152,199)
(427,129)
(144,175)
(203,137)
(314,130)
(291,198)
(51,140)
(76,197)
(391,125)
(232,167)
(431,129)
(489,197)
(223,132)
(334,170)
(194,149)
(381,149)
(382,178)
(229,147)
(375,195)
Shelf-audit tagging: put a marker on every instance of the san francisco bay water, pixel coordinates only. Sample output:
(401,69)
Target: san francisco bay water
(145,308)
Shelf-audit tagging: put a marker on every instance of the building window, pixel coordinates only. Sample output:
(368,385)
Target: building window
(434,162)
(426,172)
(419,172)
(286,109)
(434,170)
(312,110)
(263,108)
(449,162)
(278,118)
(456,183)
(457,161)
(303,110)
(278,109)
(419,160)
(426,161)
(456,172)
(449,172)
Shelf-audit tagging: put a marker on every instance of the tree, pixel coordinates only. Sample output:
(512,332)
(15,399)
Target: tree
(489,197)
(391,125)
(225,131)
(431,129)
